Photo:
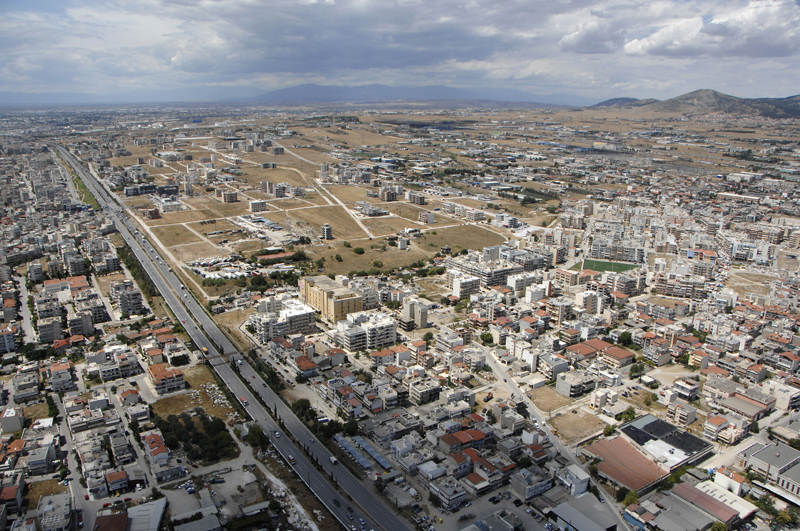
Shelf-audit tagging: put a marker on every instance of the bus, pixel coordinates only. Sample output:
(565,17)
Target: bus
(323,420)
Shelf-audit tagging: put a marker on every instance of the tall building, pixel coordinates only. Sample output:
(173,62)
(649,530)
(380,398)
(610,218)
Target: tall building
(331,299)
(327,232)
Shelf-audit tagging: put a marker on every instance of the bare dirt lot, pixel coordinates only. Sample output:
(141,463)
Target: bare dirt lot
(573,427)
(388,225)
(343,225)
(546,399)
(461,237)
(231,321)
(42,488)
(350,194)
(175,235)
(197,377)
(391,258)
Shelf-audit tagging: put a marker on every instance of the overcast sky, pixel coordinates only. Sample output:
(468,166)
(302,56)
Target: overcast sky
(598,49)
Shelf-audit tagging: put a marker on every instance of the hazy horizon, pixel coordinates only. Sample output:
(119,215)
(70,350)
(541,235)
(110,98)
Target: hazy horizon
(214,50)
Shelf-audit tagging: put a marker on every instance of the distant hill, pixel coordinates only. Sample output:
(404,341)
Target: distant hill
(624,102)
(311,93)
(711,102)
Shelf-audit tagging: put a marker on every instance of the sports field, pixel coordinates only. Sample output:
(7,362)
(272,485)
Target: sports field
(600,265)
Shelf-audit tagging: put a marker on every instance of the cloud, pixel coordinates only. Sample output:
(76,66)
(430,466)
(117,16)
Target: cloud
(593,47)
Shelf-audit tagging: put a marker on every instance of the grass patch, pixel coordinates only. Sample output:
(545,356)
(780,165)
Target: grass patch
(601,266)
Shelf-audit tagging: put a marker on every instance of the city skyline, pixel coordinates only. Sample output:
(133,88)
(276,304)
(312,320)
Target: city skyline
(239,49)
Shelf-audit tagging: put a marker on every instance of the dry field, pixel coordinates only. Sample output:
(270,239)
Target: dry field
(193,251)
(350,194)
(407,210)
(105,281)
(385,226)
(42,488)
(344,226)
(231,322)
(391,258)
(546,399)
(221,224)
(196,377)
(171,235)
(288,203)
(461,237)
(574,427)
(184,216)
(255,175)
(39,411)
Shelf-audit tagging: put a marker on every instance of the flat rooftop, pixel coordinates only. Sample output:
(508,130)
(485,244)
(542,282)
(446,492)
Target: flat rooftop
(623,463)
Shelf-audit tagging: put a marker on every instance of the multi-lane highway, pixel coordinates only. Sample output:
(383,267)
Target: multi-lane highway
(205,333)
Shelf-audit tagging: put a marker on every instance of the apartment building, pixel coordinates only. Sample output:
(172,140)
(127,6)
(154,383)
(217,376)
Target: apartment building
(165,380)
(333,300)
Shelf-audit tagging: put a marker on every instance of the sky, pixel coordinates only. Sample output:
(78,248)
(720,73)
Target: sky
(592,48)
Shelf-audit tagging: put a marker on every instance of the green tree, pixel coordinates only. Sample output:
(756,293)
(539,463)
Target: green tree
(428,336)
(625,339)
(338,258)
(486,338)
(630,498)
(609,429)
(358,250)
(621,493)
(719,526)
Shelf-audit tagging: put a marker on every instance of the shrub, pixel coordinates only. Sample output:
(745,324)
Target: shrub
(358,250)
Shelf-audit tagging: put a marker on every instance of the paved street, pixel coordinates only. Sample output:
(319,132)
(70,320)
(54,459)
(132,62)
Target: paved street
(170,287)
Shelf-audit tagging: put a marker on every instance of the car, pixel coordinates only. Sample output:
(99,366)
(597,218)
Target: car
(468,504)
(254,377)
(336,503)
(184,322)
(278,435)
(85,496)
(178,460)
(264,384)
(194,465)
(106,505)
(361,521)
(505,380)
(128,499)
(349,509)
(517,503)
(350,516)
(483,410)
(602,500)
(311,440)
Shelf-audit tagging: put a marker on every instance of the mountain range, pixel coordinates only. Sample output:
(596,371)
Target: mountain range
(707,101)
(698,102)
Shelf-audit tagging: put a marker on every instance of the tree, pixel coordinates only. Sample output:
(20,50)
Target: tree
(718,526)
(784,517)
(486,338)
(609,429)
(428,336)
(630,498)
(113,389)
(358,250)
(622,492)
(338,258)
(625,339)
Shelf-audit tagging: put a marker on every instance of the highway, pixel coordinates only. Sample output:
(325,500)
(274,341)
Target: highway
(205,333)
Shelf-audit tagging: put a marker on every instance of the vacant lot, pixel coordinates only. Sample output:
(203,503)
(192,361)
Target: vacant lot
(105,281)
(600,265)
(391,258)
(462,237)
(231,321)
(573,427)
(406,210)
(175,235)
(194,250)
(546,399)
(344,226)
(196,377)
(287,203)
(350,194)
(221,224)
(387,225)
(183,216)
(42,488)
(39,411)
(276,175)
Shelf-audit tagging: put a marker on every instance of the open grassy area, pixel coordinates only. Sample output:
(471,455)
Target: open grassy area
(600,265)
(546,399)
(573,427)
(42,488)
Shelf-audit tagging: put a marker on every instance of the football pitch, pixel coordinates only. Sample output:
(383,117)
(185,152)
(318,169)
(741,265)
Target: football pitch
(599,265)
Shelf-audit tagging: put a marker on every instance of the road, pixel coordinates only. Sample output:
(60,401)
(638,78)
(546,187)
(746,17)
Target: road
(29,336)
(506,381)
(205,333)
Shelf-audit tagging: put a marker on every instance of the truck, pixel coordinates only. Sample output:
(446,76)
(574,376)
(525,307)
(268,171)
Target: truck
(205,351)
(291,459)
(333,460)
(244,400)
